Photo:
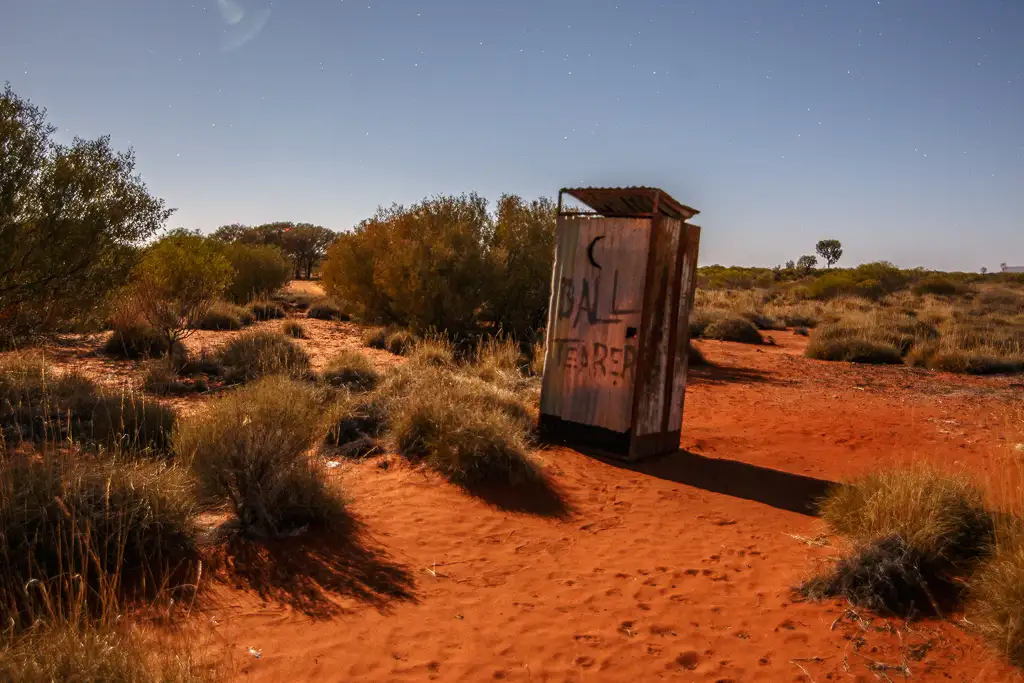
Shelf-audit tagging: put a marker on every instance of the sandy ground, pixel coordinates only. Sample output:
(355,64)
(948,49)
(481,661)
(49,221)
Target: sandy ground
(680,568)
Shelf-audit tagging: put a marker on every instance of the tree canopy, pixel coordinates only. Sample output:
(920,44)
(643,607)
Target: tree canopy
(830,250)
(72,219)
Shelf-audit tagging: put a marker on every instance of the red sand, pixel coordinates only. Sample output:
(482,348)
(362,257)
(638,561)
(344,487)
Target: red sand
(677,569)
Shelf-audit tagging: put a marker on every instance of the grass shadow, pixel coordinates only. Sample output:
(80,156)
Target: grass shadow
(778,489)
(312,573)
(538,496)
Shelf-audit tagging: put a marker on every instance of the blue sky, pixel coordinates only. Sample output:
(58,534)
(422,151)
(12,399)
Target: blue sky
(894,126)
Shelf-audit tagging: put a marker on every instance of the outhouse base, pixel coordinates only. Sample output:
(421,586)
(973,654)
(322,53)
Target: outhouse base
(619,445)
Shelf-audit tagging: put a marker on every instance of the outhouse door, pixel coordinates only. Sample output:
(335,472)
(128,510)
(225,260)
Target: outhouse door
(596,305)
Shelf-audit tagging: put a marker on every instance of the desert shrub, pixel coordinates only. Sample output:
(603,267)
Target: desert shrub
(937,285)
(801,332)
(870,280)
(421,267)
(249,450)
(256,354)
(294,329)
(889,576)
(109,523)
(326,308)
(259,270)
(996,606)
(264,309)
(99,653)
(853,350)
(936,513)
(130,422)
(763,321)
(701,319)
(162,380)
(72,220)
(298,300)
(136,341)
(973,363)
(400,342)
(178,280)
(521,253)
(435,350)
(734,329)
(376,338)
(224,316)
(353,370)
(463,427)
(356,424)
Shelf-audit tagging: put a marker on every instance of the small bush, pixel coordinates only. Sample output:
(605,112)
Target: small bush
(733,329)
(136,341)
(801,332)
(263,309)
(853,350)
(467,431)
(376,338)
(161,380)
(974,363)
(435,351)
(353,370)
(936,285)
(326,308)
(224,316)
(763,322)
(294,329)
(111,523)
(256,354)
(356,424)
(400,342)
(700,320)
(259,270)
(936,513)
(250,450)
(890,576)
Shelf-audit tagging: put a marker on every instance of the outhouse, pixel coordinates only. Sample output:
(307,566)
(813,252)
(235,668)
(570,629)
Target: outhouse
(618,324)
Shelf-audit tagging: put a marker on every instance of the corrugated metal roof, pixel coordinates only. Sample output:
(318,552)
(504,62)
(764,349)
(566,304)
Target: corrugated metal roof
(630,201)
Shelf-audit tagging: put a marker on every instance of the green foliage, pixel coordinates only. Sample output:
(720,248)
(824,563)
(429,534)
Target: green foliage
(447,264)
(250,450)
(72,218)
(806,263)
(257,354)
(260,270)
(178,280)
(521,254)
(303,243)
(937,285)
(830,250)
(870,280)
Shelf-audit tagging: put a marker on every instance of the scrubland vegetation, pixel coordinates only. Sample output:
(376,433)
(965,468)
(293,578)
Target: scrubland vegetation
(100,489)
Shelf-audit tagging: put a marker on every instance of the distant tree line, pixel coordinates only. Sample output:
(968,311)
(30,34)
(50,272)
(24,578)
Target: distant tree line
(304,243)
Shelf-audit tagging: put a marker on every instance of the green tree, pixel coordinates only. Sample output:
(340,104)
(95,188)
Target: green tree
(72,219)
(830,250)
(806,263)
(177,281)
(306,244)
(259,270)
(790,265)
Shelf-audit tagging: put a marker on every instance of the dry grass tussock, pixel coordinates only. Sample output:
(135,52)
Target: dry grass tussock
(40,403)
(916,533)
(250,451)
(293,329)
(258,354)
(265,309)
(225,316)
(396,341)
(352,370)
(326,308)
(471,422)
(996,607)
